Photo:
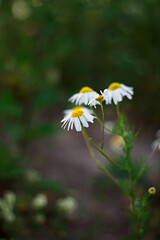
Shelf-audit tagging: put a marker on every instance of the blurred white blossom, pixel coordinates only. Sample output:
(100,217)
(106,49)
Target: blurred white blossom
(40,201)
(117,143)
(10,198)
(21,10)
(156,142)
(67,204)
(32,175)
(6,208)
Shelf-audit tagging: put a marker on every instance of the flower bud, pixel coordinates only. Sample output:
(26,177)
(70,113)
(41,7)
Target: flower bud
(152,190)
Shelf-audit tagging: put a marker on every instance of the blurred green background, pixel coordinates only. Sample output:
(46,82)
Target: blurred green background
(64,45)
(49,49)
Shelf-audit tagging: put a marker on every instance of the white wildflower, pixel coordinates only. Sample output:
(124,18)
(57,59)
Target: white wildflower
(117,91)
(85,95)
(77,116)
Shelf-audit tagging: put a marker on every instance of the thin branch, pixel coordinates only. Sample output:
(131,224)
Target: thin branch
(105,170)
(102,144)
(99,150)
(148,162)
(99,120)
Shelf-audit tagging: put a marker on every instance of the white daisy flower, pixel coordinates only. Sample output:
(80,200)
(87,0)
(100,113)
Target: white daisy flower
(77,116)
(85,95)
(96,100)
(117,91)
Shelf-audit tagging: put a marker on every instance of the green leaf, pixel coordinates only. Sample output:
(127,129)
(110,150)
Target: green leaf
(123,129)
(137,166)
(116,128)
(123,185)
(124,162)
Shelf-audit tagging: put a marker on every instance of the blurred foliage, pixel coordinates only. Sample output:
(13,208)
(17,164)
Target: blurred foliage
(68,44)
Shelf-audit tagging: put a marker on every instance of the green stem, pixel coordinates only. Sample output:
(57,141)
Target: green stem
(133,199)
(105,170)
(132,181)
(118,112)
(99,120)
(99,150)
(95,114)
(122,131)
(102,144)
(132,184)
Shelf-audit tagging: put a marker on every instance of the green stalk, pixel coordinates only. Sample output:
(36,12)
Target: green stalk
(99,120)
(102,144)
(99,150)
(105,170)
(118,112)
(132,183)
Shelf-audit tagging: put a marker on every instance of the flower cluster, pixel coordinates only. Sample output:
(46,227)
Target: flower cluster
(79,116)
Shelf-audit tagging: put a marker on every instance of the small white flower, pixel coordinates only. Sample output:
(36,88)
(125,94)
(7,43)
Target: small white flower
(68,204)
(156,144)
(77,116)
(96,100)
(39,201)
(117,91)
(85,95)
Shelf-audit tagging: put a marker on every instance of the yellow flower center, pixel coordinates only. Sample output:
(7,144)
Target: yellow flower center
(114,86)
(152,190)
(86,89)
(77,113)
(77,108)
(100,97)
